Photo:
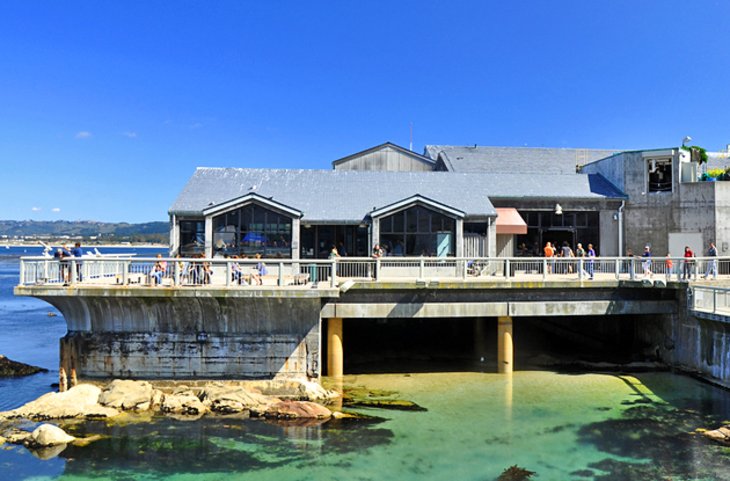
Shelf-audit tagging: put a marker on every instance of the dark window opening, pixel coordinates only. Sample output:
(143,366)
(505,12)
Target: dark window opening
(418,231)
(251,230)
(192,237)
(660,175)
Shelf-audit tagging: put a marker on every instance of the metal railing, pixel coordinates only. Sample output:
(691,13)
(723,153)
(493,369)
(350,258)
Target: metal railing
(302,272)
(713,300)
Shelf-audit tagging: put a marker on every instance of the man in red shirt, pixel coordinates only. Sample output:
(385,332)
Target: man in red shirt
(688,263)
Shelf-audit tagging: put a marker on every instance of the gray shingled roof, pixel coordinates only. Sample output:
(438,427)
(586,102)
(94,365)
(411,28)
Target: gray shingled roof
(348,196)
(514,159)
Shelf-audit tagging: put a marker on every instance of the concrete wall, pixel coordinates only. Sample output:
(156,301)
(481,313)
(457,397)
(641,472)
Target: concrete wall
(612,168)
(191,337)
(688,342)
(608,227)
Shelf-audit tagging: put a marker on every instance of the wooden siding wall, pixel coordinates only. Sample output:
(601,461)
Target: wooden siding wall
(387,159)
(505,245)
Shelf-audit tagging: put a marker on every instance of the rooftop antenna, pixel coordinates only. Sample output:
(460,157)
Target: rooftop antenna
(410,146)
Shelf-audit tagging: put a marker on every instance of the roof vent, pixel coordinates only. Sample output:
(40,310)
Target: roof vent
(253,187)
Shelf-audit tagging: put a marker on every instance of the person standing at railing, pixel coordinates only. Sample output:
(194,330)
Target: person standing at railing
(550,254)
(158,270)
(591,259)
(669,267)
(60,255)
(688,263)
(712,263)
(78,253)
(646,261)
(566,252)
(580,253)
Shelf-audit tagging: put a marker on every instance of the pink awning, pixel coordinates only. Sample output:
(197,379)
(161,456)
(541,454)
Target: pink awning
(509,221)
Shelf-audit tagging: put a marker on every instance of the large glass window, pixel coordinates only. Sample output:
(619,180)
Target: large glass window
(418,231)
(192,237)
(250,230)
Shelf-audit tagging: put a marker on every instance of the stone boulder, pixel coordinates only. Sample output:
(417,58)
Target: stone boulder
(232,400)
(48,435)
(297,410)
(128,395)
(300,389)
(185,402)
(78,402)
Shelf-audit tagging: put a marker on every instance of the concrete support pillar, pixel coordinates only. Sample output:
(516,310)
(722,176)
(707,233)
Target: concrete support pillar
(335,353)
(505,348)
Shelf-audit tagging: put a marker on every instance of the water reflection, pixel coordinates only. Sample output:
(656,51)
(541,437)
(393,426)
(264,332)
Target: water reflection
(216,444)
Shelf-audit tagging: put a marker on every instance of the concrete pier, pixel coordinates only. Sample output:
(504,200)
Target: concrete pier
(335,352)
(217,332)
(505,345)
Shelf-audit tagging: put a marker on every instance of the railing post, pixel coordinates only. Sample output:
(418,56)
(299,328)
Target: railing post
(229,273)
(464,268)
(580,268)
(281,274)
(422,268)
(377,268)
(22,272)
(617,267)
(544,269)
(176,273)
(333,273)
(125,272)
(632,270)
(73,273)
(694,270)
(506,268)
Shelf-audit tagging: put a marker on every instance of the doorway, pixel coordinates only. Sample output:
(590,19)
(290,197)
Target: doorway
(556,236)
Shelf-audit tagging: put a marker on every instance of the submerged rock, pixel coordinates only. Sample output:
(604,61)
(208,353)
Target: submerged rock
(10,368)
(78,402)
(720,435)
(395,404)
(515,473)
(297,410)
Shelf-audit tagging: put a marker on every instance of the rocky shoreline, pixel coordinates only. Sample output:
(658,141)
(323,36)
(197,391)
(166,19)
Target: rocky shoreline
(10,368)
(273,400)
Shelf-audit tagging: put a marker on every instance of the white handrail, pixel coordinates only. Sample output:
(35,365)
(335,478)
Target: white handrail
(233,273)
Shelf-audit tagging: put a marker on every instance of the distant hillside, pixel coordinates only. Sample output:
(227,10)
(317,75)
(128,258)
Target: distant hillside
(109,231)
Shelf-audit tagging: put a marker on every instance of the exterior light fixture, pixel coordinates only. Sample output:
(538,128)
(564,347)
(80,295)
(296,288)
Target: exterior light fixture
(558,209)
(686,140)
(202,337)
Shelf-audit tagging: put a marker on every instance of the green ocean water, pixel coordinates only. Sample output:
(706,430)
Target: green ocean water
(474,426)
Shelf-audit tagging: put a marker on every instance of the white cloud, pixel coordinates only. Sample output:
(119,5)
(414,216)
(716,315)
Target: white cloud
(35,209)
(56,209)
(130,135)
(84,134)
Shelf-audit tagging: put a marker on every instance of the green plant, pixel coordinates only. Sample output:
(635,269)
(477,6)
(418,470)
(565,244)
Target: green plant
(702,153)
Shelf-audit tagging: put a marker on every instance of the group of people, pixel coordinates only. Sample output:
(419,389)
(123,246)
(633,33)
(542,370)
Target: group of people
(199,271)
(552,252)
(62,254)
(688,263)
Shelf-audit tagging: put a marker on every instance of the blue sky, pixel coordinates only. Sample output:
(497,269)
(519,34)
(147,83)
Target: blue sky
(106,108)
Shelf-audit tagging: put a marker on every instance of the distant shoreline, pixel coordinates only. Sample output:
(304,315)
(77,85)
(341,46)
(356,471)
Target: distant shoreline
(87,246)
